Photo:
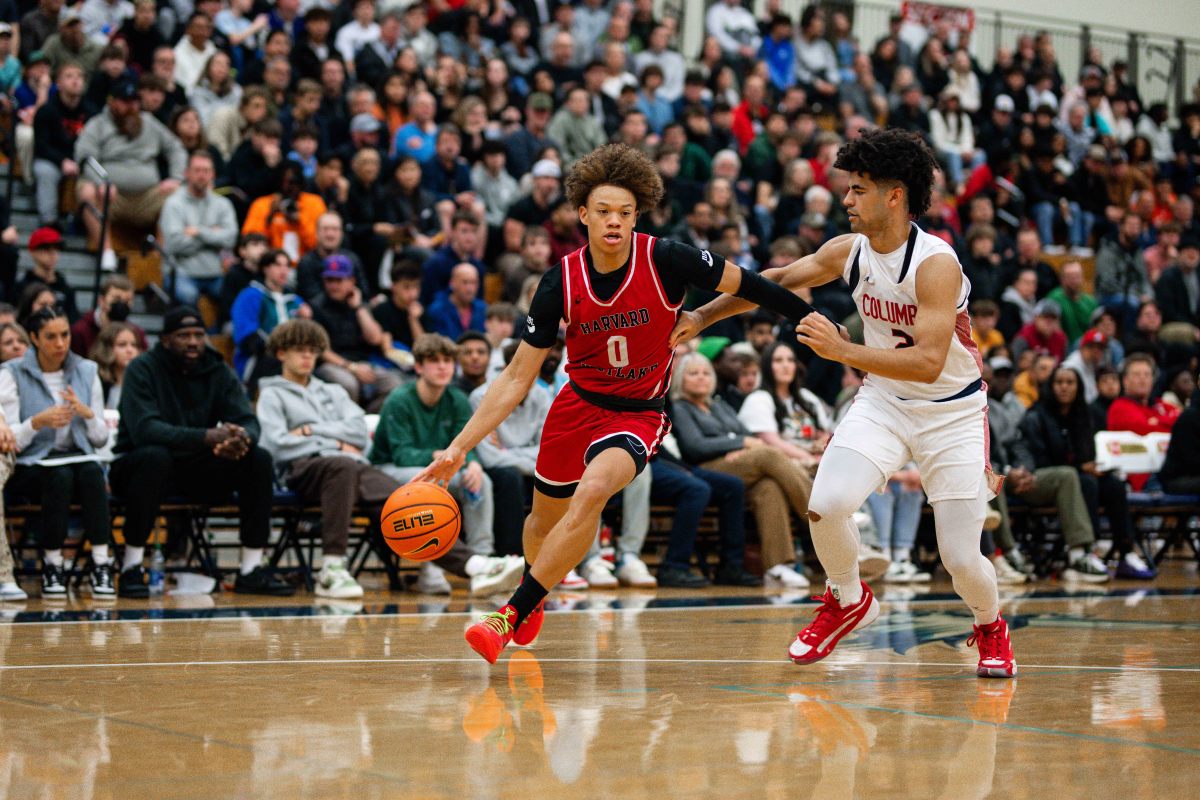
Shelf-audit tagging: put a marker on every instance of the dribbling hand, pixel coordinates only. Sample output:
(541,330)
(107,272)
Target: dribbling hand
(687,327)
(443,468)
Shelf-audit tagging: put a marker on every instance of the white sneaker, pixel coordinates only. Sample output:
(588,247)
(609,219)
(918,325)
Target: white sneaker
(1082,252)
(432,580)
(573,580)
(598,573)
(335,582)
(1053,250)
(9,590)
(784,576)
(1089,569)
(108,260)
(899,572)
(500,576)
(872,563)
(1005,574)
(633,572)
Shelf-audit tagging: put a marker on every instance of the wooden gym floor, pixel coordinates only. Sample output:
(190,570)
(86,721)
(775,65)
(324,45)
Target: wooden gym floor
(627,695)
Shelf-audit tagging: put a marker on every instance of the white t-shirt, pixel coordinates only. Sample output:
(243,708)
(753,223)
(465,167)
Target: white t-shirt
(800,427)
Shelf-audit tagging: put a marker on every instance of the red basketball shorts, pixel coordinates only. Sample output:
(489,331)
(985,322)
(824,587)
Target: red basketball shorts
(576,430)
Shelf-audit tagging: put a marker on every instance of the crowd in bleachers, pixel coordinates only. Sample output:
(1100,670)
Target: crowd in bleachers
(362,196)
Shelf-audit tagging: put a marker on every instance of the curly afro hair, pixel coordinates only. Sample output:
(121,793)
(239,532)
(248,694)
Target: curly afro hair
(892,154)
(615,165)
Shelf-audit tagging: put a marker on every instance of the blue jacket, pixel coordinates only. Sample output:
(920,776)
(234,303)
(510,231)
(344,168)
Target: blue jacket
(435,273)
(781,61)
(255,313)
(444,317)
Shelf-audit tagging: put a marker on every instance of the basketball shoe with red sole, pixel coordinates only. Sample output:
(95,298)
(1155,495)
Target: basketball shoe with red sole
(531,626)
(995,650)
(832,622)
(492,633)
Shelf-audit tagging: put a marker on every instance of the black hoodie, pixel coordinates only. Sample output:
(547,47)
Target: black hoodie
(1183,453)
(163,405)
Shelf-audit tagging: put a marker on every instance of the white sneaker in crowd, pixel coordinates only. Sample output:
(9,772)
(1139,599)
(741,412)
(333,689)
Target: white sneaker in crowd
(905,572)
(108,261)
(784,576)
(872,562)
(336,582)
(633,572)
(1006,575)
(598,572)
(9,590)
(1089,569)
(432,580)
(573,580)
(501,575)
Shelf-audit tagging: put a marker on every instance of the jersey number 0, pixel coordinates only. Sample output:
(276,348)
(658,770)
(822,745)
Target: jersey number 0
(618,351)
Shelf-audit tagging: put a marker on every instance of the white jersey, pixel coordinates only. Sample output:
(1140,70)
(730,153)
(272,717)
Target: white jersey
(884,286)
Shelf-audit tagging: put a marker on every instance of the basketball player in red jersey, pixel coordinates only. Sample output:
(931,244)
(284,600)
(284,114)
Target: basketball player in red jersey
(923,398)
(620,297)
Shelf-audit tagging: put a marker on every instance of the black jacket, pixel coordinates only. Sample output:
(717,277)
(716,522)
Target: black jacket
(1172,297)
(1054,443)
(249,172)
(56,127)
(1183,452)
(165,406)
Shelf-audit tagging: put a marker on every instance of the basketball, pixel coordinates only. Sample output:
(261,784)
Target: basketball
(420,521)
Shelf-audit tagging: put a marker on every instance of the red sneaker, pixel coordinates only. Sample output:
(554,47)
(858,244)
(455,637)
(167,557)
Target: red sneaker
(493,631)
(995,650)
(832,622)
(531,626)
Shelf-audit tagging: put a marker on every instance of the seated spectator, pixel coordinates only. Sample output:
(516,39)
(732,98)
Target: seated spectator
(354,336)
(534,208)
(474,354)
(1180,472)
(1178,384)
(896,511)
(1017,304)
(259,308)
(187,428)
(1178,289)
(711,436)
(56,126)
(459,309)
(128,143)
(417,137)
(447,174)
(1087,360)
(71,45)
(462,245)
(256,164)
(229,127)
(45,246)
(54,401)
(984,316)
(216,88)
(1043,334)
(492,184)
(10,590)
(982,263)
(194,50)
(1058,430)
(34,298)
(1145,335)
(250,248)
(1028,255)
(422,417)
(564,229)
(1121,282)
(533,262)
(114,305)
(14,341)
(1056,486)
(118,344)
(1136,410)
(401,315)
(499,326)
(1108,388)
(141,35)
(305,141)
(1030,380)
(330,241)
(1076,305)
(288,218)
(197,225)
(317,438)
(785,415)
(953,136)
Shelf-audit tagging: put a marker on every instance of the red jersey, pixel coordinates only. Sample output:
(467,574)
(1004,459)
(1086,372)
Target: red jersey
(618,335)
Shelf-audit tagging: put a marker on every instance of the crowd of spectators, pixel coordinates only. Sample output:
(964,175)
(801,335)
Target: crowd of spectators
(364,195)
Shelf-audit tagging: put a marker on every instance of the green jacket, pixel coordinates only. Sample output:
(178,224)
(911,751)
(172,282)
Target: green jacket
(163,405)
(1076,314)
(409,431)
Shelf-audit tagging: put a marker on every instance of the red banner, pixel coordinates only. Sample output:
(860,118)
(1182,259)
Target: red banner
(926,14)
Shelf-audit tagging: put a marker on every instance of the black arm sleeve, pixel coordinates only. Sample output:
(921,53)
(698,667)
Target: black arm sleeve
(545,310)
(680,265)
(771,296)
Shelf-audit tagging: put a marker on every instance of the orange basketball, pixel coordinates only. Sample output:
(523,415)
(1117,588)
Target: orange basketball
(420,521)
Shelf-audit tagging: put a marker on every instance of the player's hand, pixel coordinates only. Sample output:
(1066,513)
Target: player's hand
(823,336)
(687,327)
(443,468)
(473,477)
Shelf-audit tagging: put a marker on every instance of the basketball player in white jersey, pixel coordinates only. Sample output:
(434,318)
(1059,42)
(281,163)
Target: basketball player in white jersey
(923,398)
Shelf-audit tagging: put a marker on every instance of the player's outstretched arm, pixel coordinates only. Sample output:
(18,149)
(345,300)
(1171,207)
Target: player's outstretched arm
(938,284)
(819,268)
(503,395)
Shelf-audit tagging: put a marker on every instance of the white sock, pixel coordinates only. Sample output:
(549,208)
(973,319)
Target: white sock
(100,553)
(475,565)
(329,562)
(902,554)
(251,558)
(1074,554)
(133,556)
(847,595)
(53,557)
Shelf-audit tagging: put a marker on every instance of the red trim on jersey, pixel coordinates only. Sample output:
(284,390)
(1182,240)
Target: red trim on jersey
(565,266)
(662,292)
(962,329)
(587,281)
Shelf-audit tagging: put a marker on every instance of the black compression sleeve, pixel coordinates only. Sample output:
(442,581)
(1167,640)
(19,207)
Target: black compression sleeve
(771,296)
